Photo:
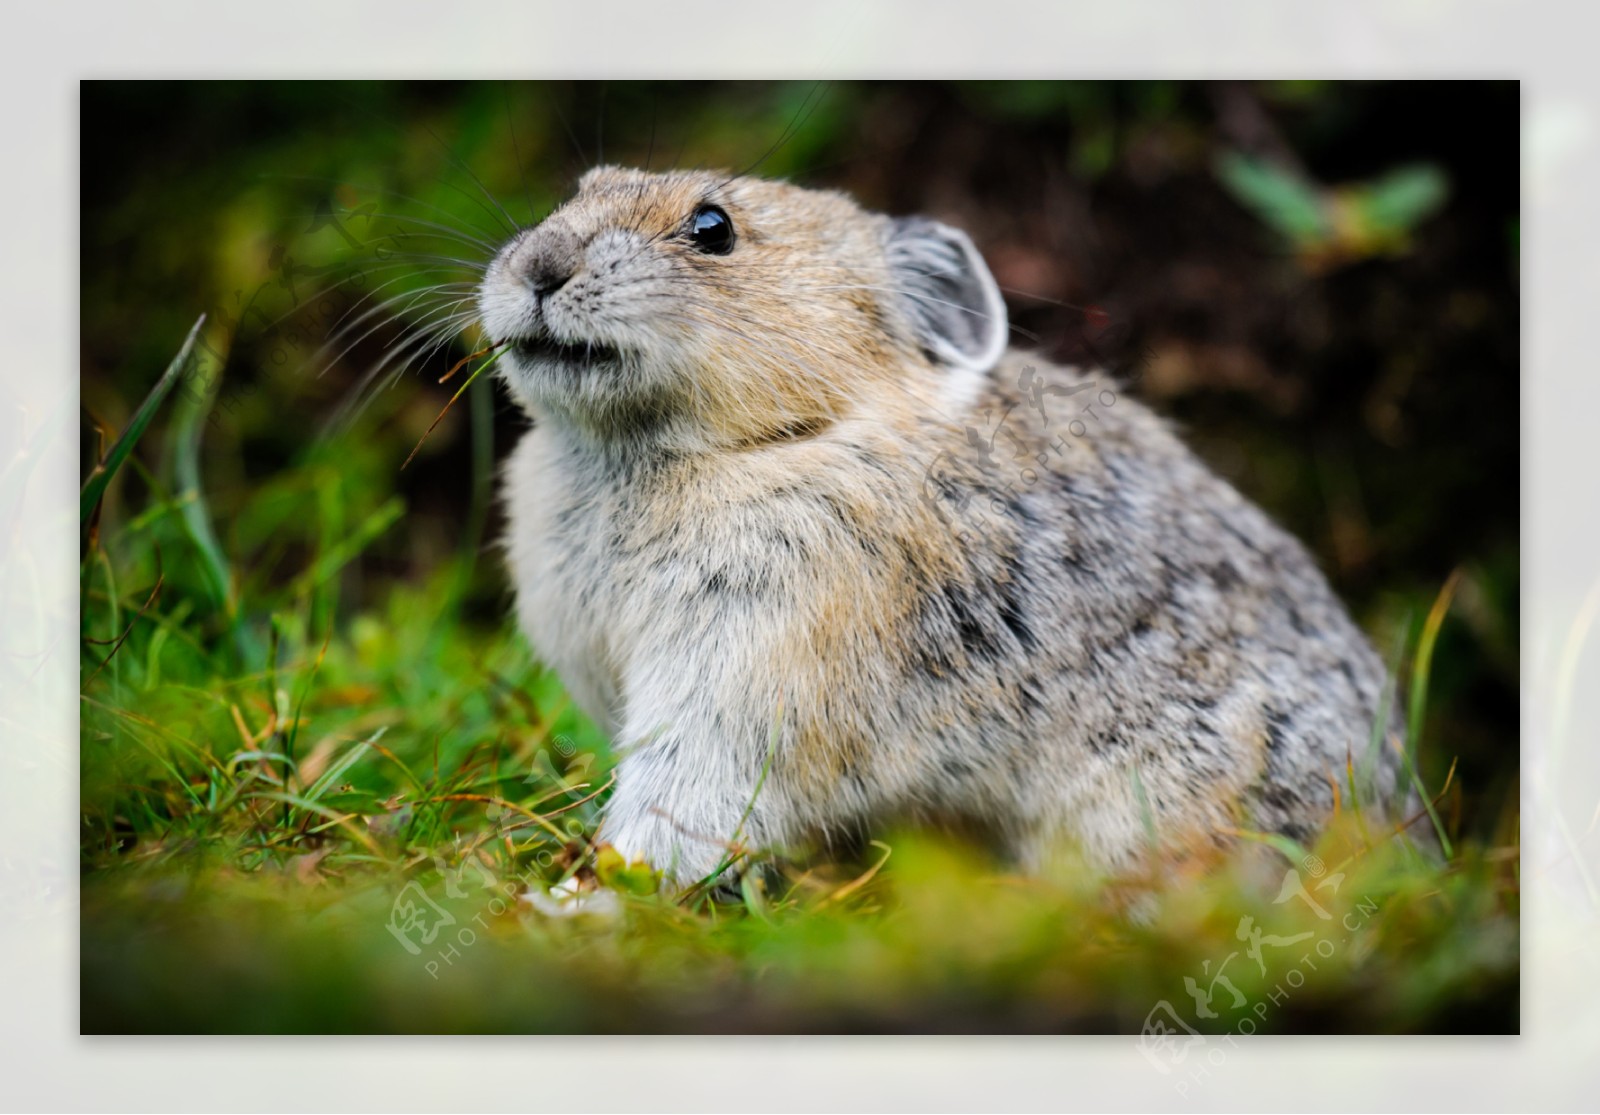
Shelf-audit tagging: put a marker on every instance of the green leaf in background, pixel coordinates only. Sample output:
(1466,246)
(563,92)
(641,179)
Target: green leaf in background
(1332,225)
(1401,199)
(1283,200)
(94,487)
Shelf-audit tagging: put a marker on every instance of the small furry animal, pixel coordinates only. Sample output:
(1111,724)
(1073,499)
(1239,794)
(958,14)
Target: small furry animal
(790,505)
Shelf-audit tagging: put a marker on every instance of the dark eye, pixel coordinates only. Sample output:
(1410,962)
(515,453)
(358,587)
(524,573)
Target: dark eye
(710,231)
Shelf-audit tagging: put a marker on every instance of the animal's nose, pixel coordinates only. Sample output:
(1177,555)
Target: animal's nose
(547,258)
(545,277)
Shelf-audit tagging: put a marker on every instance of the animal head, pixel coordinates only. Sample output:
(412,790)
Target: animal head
(731,309)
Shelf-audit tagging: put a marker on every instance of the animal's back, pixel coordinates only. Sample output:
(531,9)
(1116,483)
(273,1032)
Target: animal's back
(1193,654)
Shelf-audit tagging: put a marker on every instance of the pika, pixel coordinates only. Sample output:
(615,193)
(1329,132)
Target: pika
(793,516)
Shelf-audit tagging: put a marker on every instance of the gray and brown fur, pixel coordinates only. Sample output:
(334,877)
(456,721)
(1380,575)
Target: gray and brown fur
(808,494)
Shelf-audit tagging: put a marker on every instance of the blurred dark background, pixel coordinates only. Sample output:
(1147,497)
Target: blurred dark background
(1318,281)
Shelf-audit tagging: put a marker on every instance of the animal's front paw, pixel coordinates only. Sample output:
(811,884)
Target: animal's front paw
(569,899)
(683,860)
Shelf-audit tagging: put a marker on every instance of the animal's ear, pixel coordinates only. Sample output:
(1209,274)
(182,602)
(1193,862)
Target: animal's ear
(947,292)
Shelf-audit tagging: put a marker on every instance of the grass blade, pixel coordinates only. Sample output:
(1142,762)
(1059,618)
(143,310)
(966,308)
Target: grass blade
(1420,667)
(462,390)
(1366,777)
(195,514)
(94,487)
(330,777)
(346,551)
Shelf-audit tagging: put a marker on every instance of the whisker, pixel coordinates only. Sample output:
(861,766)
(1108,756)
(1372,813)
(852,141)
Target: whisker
(382,307)
(511,226)
(361,395)
(422,291)
(795,124)
(445,232)
(522,170)
(476,266)
(577,148)
(380,193)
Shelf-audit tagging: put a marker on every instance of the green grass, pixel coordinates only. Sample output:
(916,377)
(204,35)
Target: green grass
(287,753)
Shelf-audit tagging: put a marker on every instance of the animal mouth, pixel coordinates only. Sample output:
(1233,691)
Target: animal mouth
(548,350)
